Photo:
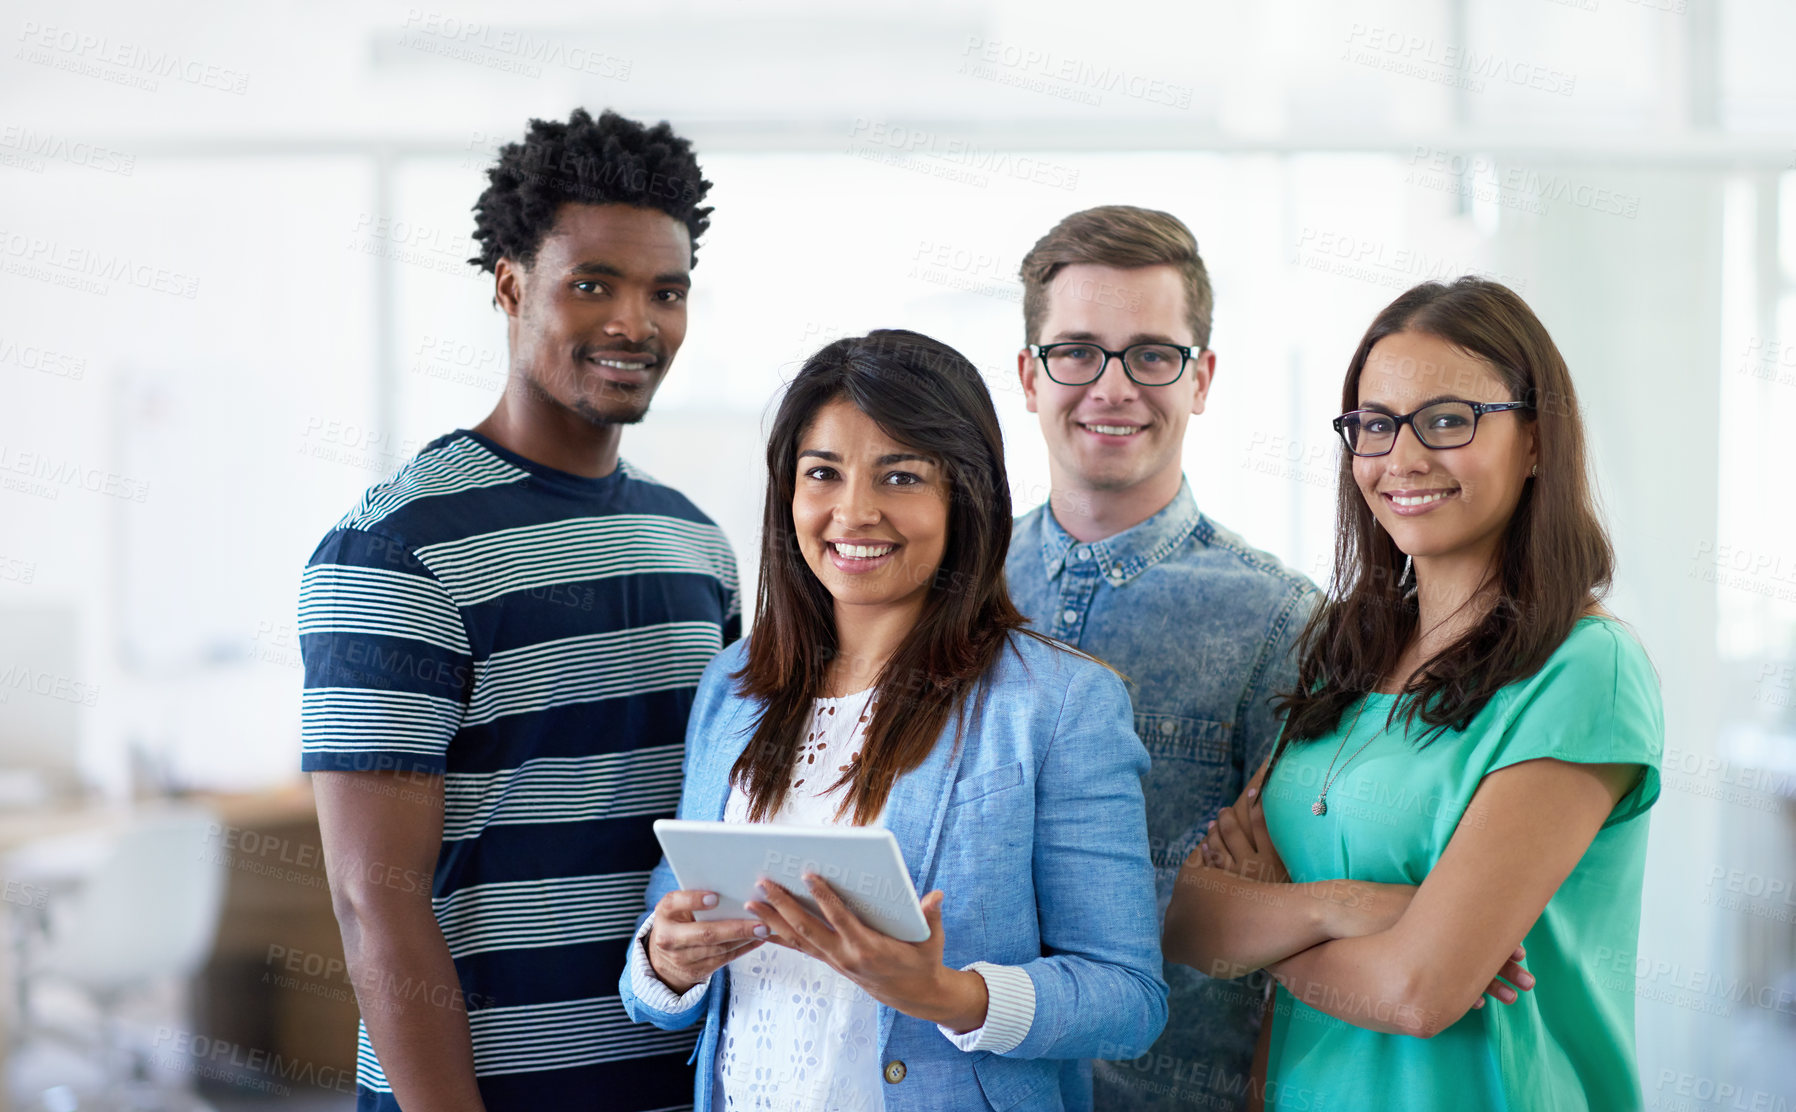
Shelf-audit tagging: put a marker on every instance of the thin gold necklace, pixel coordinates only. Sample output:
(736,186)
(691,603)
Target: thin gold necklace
(1320,807)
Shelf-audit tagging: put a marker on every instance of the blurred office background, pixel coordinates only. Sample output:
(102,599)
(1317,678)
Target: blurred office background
(232,265)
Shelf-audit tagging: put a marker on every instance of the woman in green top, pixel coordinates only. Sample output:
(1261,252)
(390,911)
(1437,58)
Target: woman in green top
(1461,784)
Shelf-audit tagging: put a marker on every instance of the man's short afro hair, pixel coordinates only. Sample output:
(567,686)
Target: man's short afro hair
(613,160)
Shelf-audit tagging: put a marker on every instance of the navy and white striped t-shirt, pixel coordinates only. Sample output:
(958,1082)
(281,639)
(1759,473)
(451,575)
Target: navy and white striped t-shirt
(536,637)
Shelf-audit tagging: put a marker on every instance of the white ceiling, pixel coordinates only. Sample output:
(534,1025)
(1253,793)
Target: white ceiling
(802,73)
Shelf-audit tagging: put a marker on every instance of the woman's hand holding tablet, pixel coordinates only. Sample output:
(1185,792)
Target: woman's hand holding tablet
(868,925)
(683,951)
(906,976)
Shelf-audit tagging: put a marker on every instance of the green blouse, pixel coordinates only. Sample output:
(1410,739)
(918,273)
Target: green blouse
(1569,1042)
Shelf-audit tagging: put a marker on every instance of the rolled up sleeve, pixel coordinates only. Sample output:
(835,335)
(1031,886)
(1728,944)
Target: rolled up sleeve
(1009,1010)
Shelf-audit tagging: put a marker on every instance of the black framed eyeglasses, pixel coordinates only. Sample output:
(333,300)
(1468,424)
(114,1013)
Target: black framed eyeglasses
(1444,424)
(1077,363)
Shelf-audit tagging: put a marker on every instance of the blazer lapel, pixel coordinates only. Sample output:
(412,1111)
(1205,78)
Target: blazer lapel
(915,812)
(712,772)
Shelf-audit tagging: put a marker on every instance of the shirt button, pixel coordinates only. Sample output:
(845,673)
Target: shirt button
(1069,616)
(1167,725)
(1081,553)
(894,1072)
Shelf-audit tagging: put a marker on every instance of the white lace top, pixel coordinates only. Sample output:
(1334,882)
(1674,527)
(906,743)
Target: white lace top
(797,1034)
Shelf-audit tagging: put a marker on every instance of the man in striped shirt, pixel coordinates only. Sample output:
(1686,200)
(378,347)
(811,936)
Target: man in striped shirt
(501,646)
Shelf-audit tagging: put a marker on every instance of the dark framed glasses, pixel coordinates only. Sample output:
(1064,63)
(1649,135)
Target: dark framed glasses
(1078,362)
(1445,424)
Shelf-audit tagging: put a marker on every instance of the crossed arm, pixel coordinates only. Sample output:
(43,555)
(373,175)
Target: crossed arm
(1392,958)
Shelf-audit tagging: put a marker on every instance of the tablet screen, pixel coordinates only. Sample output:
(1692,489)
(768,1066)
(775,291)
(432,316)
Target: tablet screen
(863,864)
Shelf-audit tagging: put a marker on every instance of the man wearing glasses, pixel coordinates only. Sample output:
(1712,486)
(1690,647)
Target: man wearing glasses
(1120,562)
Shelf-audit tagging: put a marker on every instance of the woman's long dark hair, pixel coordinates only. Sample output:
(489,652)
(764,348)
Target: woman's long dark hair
(928,397)
(1553,563)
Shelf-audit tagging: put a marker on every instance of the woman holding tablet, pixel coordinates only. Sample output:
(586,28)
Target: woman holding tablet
(1468,721)
(888,682)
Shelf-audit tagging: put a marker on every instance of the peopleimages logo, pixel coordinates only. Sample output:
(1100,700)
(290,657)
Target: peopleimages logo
(952,157)
(37,147)
(52,257)
(1383,264)
(17,677)
(1425,57)
(31,472)
(1068,77)
(508,49)
(1517,187)
(243,1066)
(858,889)
(34,357)
(118,61)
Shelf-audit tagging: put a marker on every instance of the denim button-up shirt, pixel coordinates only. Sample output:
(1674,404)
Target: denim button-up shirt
(1202,625)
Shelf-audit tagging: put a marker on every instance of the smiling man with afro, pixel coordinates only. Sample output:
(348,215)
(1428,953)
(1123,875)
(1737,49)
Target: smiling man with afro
(502,643)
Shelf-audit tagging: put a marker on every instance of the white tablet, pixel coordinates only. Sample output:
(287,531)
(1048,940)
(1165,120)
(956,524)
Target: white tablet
(863,864)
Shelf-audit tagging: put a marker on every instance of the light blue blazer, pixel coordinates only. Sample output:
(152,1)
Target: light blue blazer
(1034,829)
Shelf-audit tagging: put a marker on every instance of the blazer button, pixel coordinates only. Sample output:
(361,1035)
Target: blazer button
(894,1072)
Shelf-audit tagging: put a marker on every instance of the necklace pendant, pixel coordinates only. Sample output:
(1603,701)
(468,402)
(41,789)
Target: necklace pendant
(1320,807)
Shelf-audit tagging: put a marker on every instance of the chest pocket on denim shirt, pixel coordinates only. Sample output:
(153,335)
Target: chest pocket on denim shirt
(1193,775)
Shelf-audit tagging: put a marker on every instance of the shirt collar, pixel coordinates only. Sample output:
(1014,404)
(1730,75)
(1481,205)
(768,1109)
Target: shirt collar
(1127,554)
